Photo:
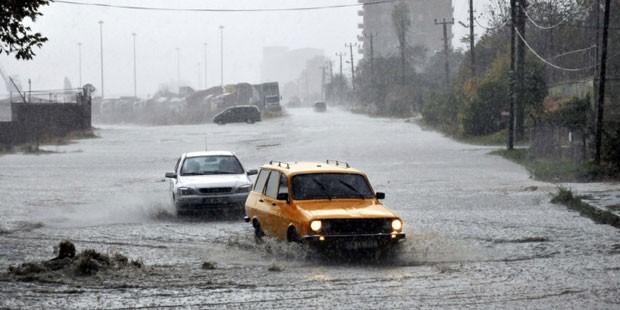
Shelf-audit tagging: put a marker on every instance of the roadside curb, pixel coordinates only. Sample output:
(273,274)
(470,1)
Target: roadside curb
(597,214)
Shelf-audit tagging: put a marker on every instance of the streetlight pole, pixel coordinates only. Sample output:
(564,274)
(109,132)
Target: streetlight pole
(135,79)
(101,54)
(178,66)
(205,75)
(198,75)
(222,56)
(80,62)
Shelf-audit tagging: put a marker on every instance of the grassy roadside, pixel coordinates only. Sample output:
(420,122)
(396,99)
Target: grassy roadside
(566,197)
(553,170)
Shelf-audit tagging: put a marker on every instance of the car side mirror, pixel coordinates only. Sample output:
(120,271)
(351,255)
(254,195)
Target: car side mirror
(252,172)
(171,175)
(380,195)
(283,196)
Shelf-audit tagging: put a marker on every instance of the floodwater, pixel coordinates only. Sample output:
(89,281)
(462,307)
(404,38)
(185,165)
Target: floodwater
(481,233)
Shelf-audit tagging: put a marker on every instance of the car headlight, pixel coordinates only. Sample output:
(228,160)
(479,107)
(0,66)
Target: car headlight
(184,191)
(397,224)
(316,226)
(244,188)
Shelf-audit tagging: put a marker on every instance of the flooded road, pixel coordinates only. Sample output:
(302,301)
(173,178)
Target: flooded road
(481,233)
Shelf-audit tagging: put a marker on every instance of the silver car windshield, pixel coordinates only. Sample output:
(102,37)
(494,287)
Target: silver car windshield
(215,164)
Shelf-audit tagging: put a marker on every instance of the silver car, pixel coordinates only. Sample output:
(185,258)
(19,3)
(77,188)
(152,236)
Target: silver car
(211,180)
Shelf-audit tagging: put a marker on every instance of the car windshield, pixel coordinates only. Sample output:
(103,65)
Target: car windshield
(330,186)
(214,164)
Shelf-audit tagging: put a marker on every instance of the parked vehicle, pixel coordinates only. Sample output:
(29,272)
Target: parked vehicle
(321,204)
(320,106)
(237,114)
(205,181)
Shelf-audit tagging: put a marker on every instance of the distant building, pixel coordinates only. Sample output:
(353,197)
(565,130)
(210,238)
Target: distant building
(377,20)
(284,65)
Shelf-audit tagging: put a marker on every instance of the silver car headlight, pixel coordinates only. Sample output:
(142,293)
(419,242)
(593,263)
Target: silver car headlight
(184,191)
(244,188)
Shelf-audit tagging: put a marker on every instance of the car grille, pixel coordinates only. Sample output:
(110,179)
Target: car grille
(215,190)
(356,226)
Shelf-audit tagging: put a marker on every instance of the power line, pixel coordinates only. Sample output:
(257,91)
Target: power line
(492,27)
(145,8)
(574,52)
(565,19)
(545,60)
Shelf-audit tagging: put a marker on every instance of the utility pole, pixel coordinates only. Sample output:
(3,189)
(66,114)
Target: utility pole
(511,117)
(446,47)
(472,39)
(372,58)
(340,56)
(601,86)
(222,57)
(80,63)
(101,54)
(135,75)
(350,45)
(520,72)
(205,74)
(323,82)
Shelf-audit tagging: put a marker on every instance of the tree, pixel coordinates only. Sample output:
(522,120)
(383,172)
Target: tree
(402,22)
(15,37)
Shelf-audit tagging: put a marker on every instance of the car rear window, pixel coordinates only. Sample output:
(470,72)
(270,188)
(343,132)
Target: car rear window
(259,185)
(272,184)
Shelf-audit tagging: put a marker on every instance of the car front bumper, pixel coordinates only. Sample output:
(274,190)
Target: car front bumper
(211,202)
(357,241)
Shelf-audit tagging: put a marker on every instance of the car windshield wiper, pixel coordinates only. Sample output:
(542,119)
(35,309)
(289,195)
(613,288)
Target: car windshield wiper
(349,186)
(323,188)
(192,173)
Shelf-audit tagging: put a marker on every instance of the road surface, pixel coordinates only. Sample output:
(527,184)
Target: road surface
(481,232)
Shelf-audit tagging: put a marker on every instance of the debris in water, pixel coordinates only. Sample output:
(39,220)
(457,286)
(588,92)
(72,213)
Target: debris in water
(274,267)
(208,265)
(87,263)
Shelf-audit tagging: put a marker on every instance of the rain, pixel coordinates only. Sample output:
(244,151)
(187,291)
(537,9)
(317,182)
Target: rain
(310,154)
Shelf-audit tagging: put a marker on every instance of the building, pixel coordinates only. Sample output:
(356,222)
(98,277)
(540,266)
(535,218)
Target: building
(284,65)
(377,21)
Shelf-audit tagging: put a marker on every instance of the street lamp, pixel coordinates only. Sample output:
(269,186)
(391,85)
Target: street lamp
(135,79)
(222,57)
(101,53)
(205,77)
(178,66)
(80,62)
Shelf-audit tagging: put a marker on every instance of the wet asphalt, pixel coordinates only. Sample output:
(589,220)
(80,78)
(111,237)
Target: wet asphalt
(481,232)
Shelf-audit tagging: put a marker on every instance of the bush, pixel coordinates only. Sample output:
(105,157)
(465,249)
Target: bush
(442,110)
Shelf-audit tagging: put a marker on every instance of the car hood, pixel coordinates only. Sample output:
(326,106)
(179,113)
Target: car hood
(344,209)
(213,180)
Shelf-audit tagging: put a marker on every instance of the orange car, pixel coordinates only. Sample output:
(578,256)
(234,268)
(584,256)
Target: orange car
(320,203)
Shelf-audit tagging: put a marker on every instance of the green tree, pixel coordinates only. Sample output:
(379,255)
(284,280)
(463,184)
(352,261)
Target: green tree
(16,37)
(482,113)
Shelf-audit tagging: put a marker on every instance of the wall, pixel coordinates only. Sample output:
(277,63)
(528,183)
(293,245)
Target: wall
(35,121)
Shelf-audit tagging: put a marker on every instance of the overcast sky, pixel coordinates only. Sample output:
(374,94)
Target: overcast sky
(160,33)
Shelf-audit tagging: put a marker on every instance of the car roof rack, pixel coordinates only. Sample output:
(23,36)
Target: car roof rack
(280,163)
(338,162)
